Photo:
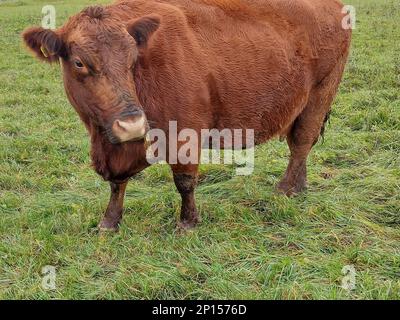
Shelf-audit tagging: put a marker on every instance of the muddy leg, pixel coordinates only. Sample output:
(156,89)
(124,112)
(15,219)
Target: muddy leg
(186,184)
(113,215)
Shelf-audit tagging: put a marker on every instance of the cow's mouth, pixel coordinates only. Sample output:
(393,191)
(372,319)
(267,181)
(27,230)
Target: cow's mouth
(128,127)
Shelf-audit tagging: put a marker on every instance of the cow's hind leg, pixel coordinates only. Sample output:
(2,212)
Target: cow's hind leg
(113,215)
(306,130)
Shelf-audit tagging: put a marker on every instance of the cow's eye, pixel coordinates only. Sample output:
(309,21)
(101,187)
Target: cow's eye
(78,64)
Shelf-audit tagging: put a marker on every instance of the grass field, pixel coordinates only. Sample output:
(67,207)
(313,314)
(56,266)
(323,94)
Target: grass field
(252,243)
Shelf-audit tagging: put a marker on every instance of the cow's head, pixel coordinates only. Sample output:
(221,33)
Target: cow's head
(98,53)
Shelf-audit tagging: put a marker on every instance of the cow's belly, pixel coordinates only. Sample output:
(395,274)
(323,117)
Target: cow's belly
(264,98)
(264,120)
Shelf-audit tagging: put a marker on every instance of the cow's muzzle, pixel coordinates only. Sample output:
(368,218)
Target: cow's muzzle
(128,126)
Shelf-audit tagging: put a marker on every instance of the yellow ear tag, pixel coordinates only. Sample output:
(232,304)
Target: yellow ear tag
(44,51)
(147,141)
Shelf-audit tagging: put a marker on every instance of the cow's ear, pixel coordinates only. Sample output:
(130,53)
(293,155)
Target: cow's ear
(143,28)
(45,43)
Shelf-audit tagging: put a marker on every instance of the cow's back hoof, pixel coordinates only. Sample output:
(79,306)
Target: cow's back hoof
(289,190)
(185,226)
(105,227)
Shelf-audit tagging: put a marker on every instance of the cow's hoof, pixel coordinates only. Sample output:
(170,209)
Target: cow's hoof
(108,227)
(290,190)
(184,226)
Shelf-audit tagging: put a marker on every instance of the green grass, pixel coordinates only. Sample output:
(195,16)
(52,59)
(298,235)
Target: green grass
(252,243)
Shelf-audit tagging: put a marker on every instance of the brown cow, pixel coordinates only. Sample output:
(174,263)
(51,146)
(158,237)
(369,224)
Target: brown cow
(269,65)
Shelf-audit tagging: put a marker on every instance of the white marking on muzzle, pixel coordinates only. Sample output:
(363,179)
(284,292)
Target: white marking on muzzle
(127,130)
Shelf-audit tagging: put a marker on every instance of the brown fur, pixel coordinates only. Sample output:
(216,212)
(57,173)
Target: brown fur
(269,65)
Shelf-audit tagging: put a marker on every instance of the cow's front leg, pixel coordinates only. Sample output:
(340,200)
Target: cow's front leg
(186,184)
(113,215)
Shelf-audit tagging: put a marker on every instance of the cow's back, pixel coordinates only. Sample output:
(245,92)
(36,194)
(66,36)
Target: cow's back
(313,26)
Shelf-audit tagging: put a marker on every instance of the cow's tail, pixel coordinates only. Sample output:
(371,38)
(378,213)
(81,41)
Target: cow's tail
(326,120)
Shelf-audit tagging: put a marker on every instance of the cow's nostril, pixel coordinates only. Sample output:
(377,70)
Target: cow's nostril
(123,125)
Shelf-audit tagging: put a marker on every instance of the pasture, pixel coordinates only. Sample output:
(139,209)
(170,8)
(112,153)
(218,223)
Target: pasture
(252,243)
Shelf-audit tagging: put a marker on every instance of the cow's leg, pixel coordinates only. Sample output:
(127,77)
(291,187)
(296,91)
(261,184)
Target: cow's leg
(113,215)
(306,131)
(186,183)
(295,178)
